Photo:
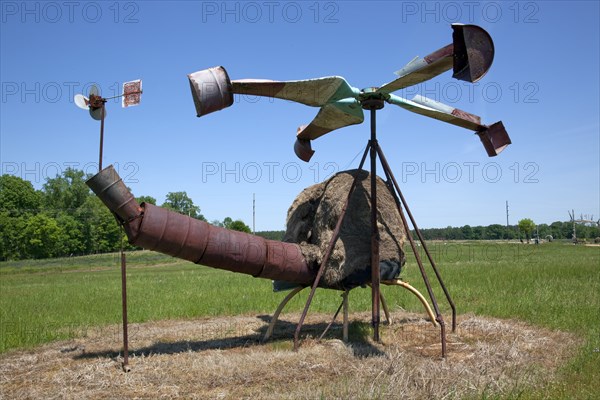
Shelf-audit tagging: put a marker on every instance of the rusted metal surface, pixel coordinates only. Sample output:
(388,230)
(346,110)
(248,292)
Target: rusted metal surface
(401,201)
(168,232)
(303,149)
(211,90)
(132,93)
(473,52)
(375,275)
(124,314)
(470,55)
(494,138)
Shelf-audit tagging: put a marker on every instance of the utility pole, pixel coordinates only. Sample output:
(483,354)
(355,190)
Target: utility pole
(253,213)
(507,229)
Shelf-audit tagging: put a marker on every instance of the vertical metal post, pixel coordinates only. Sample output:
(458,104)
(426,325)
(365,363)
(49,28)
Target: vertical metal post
(124,302)
(336,233)
(101,136)
(375,276)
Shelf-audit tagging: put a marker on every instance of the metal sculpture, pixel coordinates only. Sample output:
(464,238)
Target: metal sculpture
(470,55)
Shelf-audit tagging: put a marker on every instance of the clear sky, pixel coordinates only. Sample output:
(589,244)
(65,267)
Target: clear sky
(544,85)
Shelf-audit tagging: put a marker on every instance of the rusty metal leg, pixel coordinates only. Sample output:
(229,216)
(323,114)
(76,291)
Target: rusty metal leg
(375,275)
(418,232)
(399,203)
(345,323)
(124,304)
(280,308)
(386,311)
(332,319)
(405,285)
(336,233)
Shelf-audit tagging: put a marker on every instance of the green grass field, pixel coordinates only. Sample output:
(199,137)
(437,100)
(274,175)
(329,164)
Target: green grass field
(555,285)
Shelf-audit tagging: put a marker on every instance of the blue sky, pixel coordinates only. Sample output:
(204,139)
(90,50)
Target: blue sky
(544,85)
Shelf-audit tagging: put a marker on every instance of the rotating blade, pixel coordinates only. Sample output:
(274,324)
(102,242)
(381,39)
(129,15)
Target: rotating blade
(81,101)
(494,137)
(94,91)
(442,112)
(329,118)
(421,69)
(470,56)
(312,92)
(96,113)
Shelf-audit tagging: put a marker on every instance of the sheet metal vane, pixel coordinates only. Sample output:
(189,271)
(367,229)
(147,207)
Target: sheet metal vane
(470,56)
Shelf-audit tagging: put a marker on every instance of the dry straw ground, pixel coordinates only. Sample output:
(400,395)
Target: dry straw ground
(222,358)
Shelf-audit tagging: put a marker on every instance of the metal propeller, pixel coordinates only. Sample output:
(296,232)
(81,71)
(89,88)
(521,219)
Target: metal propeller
(470,55)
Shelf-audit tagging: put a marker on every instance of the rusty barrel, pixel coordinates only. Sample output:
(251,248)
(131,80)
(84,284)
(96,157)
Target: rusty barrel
(156,228)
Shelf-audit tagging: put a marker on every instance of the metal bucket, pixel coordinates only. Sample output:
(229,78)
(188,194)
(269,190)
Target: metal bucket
(473,52)
(211,90)
(494,139)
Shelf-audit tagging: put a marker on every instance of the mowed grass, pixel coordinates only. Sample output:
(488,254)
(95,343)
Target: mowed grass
(555,285)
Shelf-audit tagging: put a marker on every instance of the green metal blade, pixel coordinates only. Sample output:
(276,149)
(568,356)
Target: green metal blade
(421,69)
(442,112)
(312,92)
(331,117)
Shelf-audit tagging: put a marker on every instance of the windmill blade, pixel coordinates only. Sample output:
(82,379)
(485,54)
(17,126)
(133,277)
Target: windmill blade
(81,101)
(312,92)
(330,117)
(96,113)
(434,109)
(494,137)
(470,55)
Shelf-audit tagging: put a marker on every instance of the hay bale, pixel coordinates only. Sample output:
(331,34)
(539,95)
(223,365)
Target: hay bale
(312,218)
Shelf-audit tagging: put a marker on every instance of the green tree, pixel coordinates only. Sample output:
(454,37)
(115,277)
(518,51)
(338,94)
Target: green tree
(146,199)
(181,203)
(18,195)
(67,192)
(43,237)
(237,225)
(526,226)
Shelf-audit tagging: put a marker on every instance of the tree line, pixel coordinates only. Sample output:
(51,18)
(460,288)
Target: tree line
(65,218)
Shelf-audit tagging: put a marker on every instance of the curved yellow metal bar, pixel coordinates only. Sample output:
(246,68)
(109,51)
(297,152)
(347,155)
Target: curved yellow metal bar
(405,285)
(283,303)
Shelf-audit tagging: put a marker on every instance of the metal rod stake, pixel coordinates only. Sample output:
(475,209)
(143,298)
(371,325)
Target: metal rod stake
(124,302)
(101,137)
(374,231)
(336,233)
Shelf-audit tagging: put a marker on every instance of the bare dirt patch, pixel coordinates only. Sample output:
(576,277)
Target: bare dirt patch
(223,358)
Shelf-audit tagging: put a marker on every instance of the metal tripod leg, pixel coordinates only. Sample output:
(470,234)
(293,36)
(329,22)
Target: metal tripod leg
(280,308)
(336,233)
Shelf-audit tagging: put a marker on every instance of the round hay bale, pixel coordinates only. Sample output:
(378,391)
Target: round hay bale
(312,218)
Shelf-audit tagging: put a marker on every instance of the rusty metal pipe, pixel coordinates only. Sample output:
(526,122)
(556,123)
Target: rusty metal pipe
(165,231)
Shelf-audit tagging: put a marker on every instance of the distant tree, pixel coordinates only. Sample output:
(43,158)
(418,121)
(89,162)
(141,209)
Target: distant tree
(18,195)
(67,192)
(146,199)
(495,232)
(43,237)
(526,226)
(237,225)
(216,222)
(181,203)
